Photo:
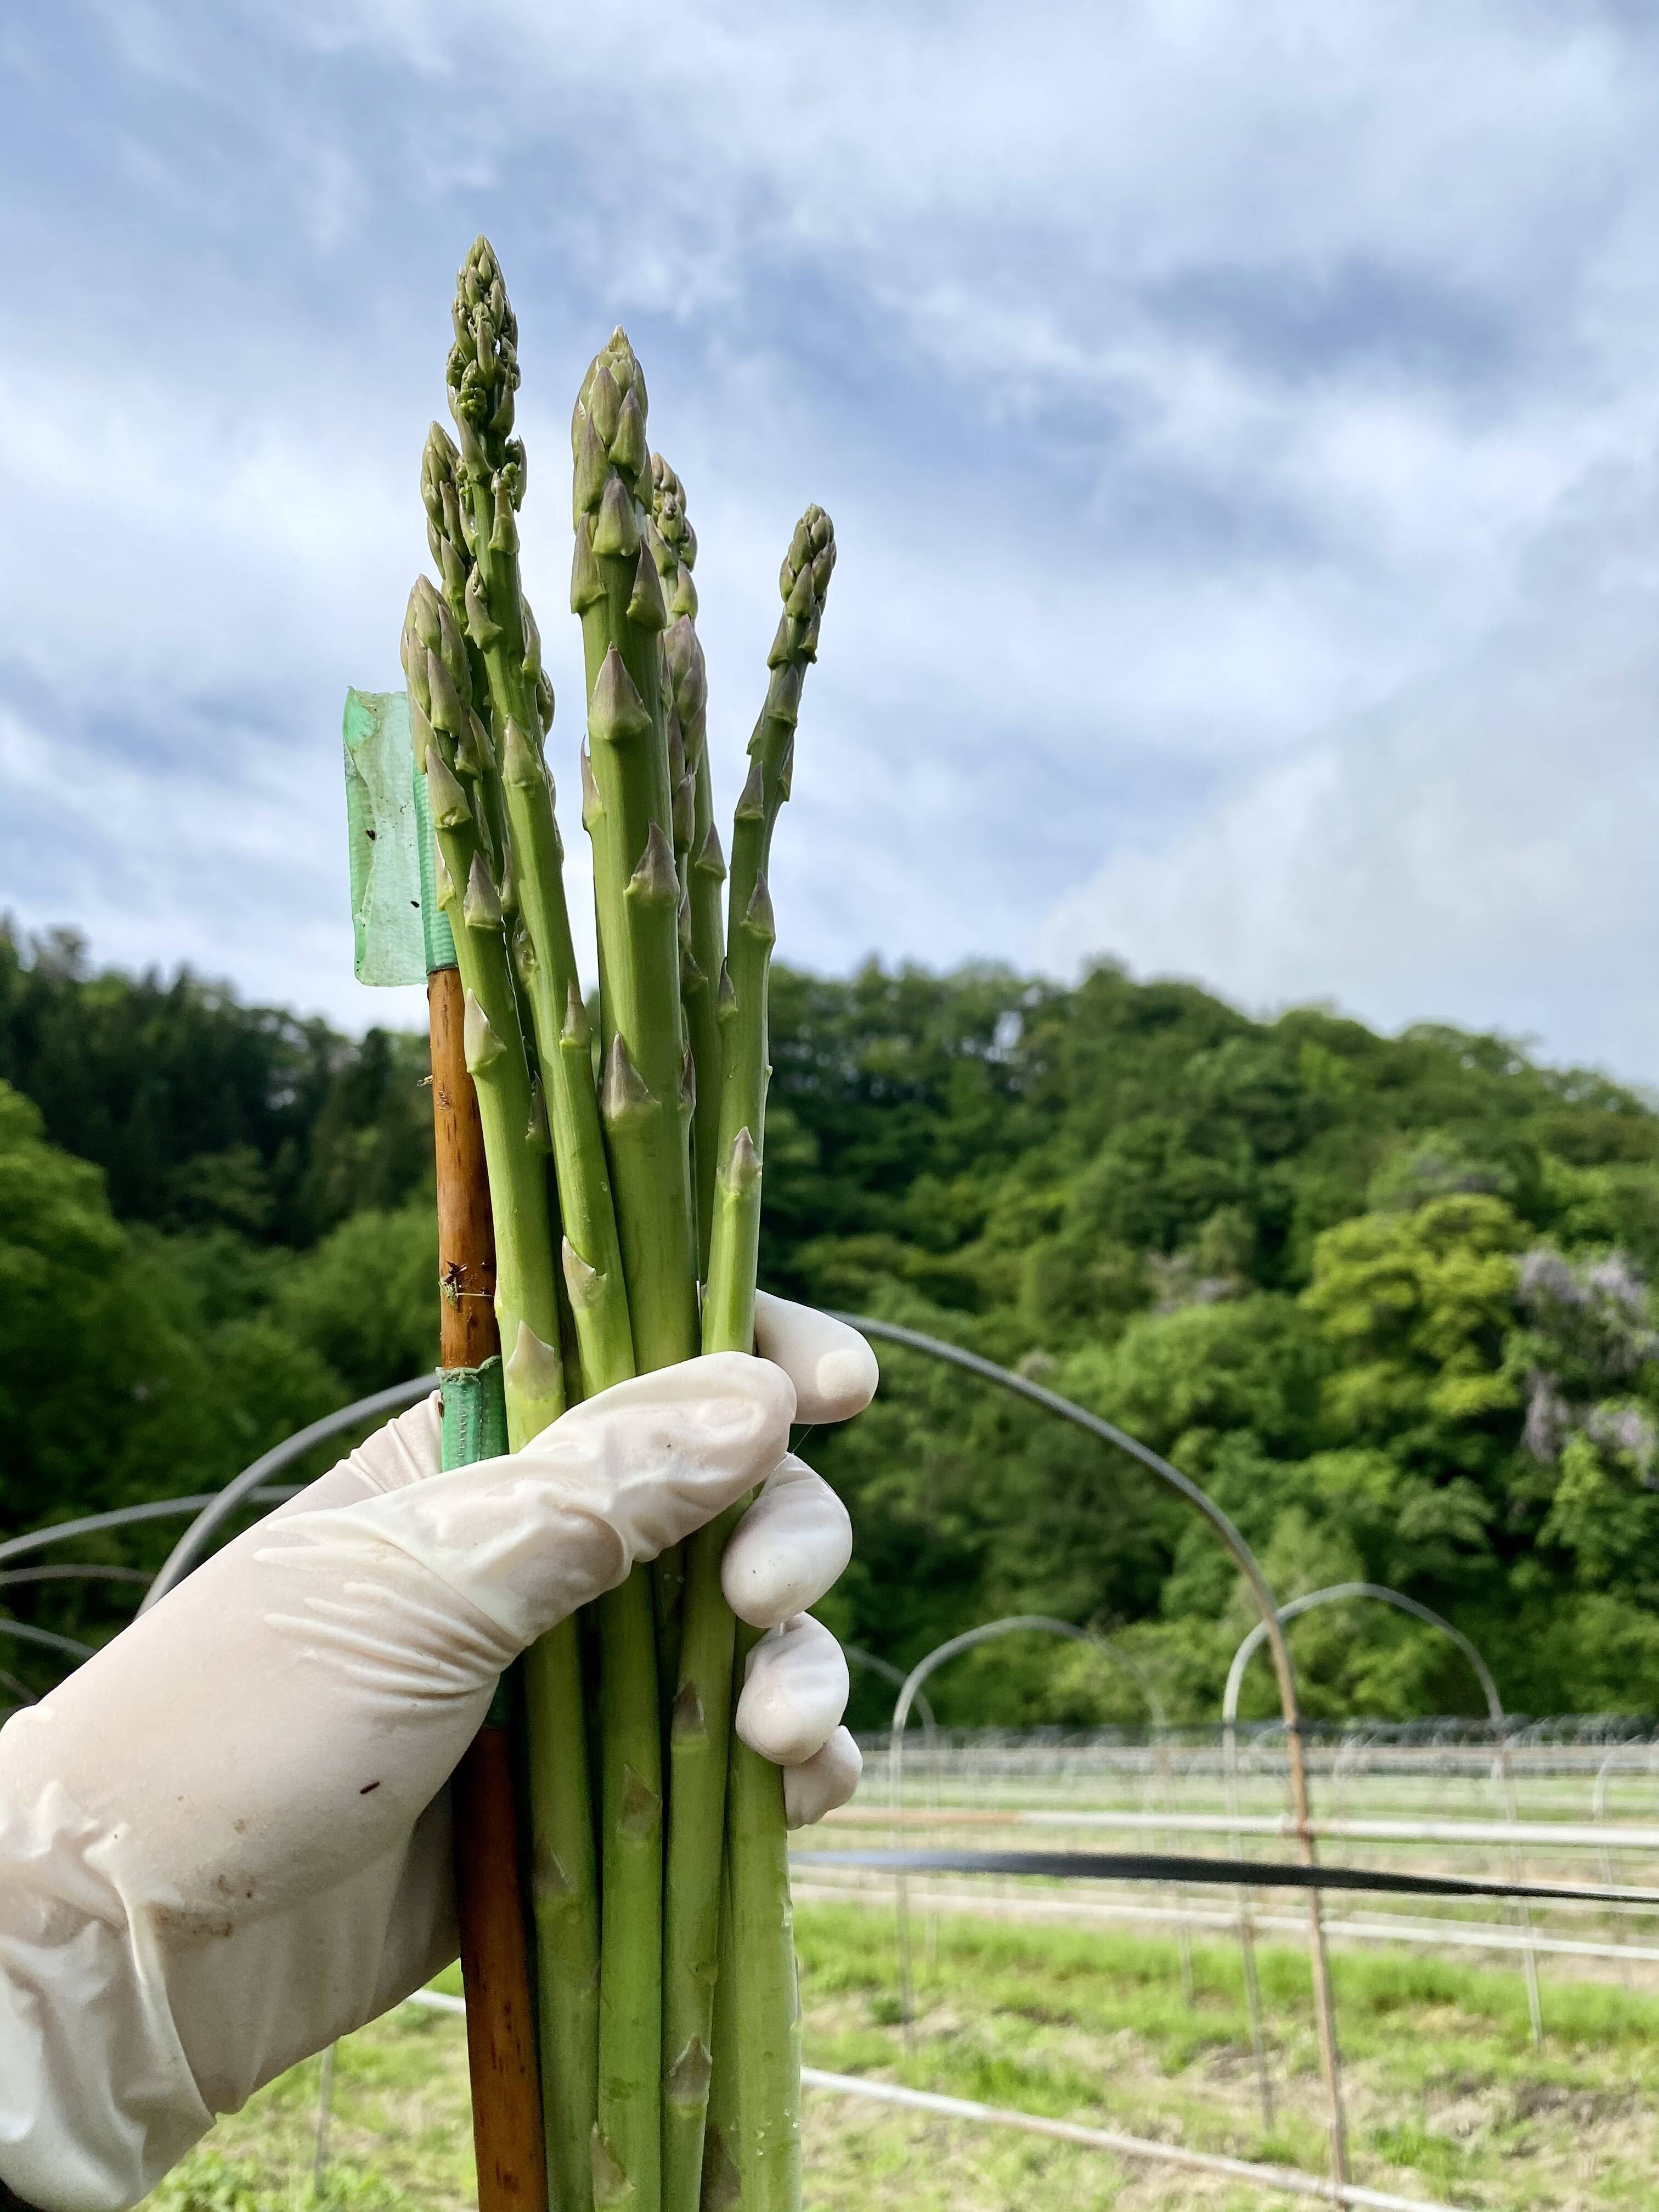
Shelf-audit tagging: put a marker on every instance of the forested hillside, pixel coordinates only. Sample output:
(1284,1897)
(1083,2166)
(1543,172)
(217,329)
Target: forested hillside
(1387,1298)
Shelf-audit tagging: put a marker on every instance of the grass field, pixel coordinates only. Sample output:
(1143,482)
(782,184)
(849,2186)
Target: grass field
(1446,2096)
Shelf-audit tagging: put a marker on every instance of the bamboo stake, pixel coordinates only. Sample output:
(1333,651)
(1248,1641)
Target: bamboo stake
(507,2120)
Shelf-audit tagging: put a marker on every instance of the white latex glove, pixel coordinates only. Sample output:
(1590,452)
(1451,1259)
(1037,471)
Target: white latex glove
(225,1840)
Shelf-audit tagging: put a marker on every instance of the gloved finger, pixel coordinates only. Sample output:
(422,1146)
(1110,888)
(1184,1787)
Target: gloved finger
(795,1690)
(791,1545)
(819,1784)
(832,1367)
(527,1539)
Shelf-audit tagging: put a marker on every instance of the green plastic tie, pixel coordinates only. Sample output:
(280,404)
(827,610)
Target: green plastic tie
(390,898)
(474,1407)
(440,944)
(474,1413)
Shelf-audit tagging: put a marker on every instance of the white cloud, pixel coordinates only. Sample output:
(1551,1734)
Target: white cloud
(1185,381)
(1479,850)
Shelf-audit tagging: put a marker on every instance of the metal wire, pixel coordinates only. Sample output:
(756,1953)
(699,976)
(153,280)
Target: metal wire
(72,1574)
(126,1517)
(48,1639)
(190,1548)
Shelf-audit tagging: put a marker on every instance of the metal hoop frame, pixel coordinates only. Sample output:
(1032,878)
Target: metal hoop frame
(187,1552)
(128,1517)
(1015,1624)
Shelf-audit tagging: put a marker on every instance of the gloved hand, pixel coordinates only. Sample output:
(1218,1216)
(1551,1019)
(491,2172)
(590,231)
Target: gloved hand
(225,1840)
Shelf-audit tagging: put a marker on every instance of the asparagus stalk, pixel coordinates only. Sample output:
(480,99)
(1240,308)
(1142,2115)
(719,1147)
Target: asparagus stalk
(696,1765)
(472,497)
(488,487)
(451,743)
(734,1244)
(702,864)
(768,2095)
(673,545)
(629,813)
(721,2191)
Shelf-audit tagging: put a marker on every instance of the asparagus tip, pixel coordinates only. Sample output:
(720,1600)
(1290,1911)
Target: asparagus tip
(539,1134)
(743,1164)
(628,446)
(483,910)
(479,1043)
(534,1370)
(586,584)
(483,631)
(617,530)
(611,2187)
(586,1284)
(446,711)
(655,879)
(593,805)
(690,2075)
(449,810)
(758,917)
(623,1095)
(751,801)
(522,758)
(722,2186)
(645,604)
(617,712)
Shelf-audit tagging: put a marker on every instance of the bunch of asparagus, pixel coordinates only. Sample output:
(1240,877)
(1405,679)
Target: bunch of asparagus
(658,1877)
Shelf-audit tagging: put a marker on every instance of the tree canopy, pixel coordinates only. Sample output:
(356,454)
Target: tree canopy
(1387,1298)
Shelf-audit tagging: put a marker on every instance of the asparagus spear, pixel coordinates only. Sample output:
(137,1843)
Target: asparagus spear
(450,743)
(488,485)
(729,1307)
(764,2041)
(628,810)
(472,496)
(697,1777)
(703,867)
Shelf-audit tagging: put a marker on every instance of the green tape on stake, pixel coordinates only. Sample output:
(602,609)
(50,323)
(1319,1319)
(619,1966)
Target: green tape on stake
(388,896)
(439,938)
(474,1428)
(474,1413)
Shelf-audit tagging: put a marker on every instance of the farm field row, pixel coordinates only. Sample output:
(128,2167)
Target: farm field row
(1447,2098)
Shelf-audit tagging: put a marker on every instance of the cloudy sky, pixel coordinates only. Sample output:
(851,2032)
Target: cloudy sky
(1242,427)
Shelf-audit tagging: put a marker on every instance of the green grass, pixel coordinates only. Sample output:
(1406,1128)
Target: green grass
(1446,2096)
